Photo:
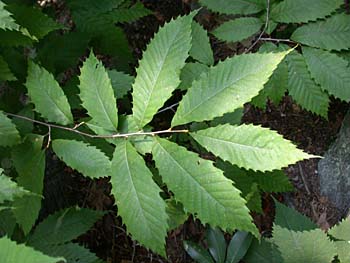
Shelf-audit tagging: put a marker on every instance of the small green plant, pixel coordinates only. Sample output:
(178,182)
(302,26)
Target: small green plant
(219,251)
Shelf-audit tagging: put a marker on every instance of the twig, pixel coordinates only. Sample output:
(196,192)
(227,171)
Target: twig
(303,179)
(277,40)
(48,138)
(265,27)
(78,125)
(168,108)
(133,251)
(107,136)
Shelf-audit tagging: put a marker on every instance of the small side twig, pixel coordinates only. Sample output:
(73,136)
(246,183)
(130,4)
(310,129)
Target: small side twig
(48,137)
(78,125)
(303,179)
(277,40)
(264,29)
(133,251)
(171,107)
(107,136)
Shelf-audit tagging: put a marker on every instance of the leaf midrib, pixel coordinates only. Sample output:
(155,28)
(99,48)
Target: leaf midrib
(321,64)
(104,107)
(54,102)
(223,141)
(97,92)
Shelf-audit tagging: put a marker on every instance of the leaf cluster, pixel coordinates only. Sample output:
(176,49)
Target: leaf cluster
(313,72)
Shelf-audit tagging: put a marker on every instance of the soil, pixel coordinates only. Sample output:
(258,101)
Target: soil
(108,238)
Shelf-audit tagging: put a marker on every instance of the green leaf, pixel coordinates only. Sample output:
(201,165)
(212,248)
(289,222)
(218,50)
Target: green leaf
(63,226)
(330,71)
(271,25)
(296,11)
(89,17)
(201,49)
(7,222)
(191,72)
(58,52)
(308,246)
(127,15)
(276,87)
(230,84)
(6,20)
(9,135)
(197,253)
(233,118)
(158,74)
(331,34)
(201,188)
(289,218)
(72,252)
(113,42)
(275,181)
(11,252)
(47,95)
(121,83)
(23,126)
(92,6)
(343,250)
(86,13)
(138,200)
(244,182)
(176,213)
(345,55)
(5,72)
(99,143)
(341,231)
(71,90)
(29,161)
(216,244)
(86,159)
(263,251)
(238,246)
(9,189)
(250,147)
(253,198)
(16,61)
(14,39)
(37,23)
(97,94)
(237,7)
(303,89)
(250,183)
(238,29)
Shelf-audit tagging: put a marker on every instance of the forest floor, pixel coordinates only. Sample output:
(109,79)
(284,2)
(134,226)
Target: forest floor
(312,133)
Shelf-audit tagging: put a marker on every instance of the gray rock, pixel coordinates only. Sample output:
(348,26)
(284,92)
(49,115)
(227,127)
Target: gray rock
(334,170)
